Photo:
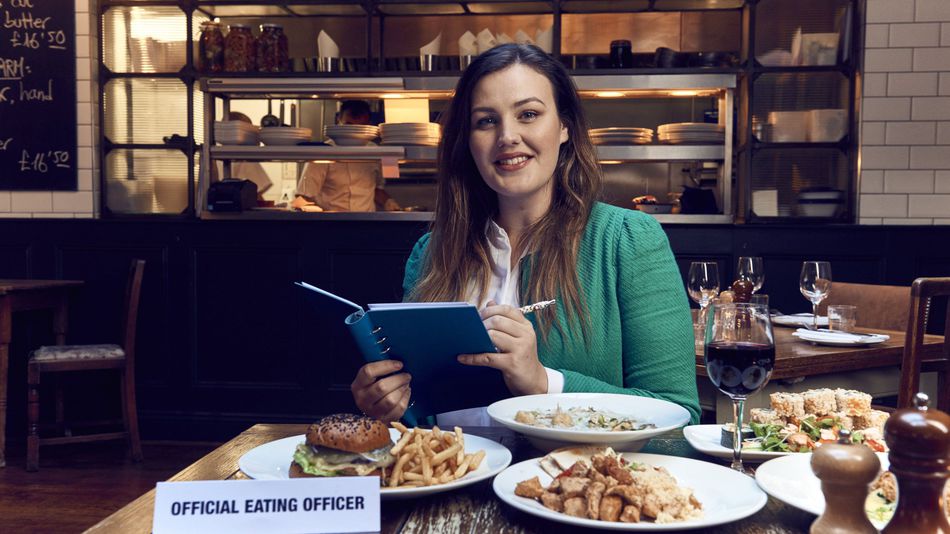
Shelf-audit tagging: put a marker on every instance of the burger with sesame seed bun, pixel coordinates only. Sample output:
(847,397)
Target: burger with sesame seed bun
(343,445)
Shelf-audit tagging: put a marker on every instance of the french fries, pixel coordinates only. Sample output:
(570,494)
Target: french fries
(429,457)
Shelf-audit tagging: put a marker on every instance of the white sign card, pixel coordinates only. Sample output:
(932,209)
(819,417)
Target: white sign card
(302,505)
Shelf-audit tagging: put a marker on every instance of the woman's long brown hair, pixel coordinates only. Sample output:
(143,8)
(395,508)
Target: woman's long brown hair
(458,257)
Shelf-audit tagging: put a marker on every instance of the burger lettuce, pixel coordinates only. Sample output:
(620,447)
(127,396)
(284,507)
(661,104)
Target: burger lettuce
(324,462)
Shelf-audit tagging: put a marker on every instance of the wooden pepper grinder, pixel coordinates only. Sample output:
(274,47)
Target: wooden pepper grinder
(845,470)
(919,439)
(743,290)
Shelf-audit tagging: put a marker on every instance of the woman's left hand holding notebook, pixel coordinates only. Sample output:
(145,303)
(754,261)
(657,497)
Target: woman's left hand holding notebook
(381,391)
(517,356)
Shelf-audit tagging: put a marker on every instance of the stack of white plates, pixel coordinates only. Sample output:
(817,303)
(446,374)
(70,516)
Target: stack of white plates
(285,135)
(351,134)
(621,136)
(691,133)
(236,133)
(410,133)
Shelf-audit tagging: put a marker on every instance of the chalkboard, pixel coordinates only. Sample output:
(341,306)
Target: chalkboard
(38,95)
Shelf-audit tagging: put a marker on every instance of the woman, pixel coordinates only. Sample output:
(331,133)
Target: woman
(516,222)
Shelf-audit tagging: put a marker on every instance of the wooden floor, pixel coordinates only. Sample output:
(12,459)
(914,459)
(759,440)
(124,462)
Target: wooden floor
(79,485)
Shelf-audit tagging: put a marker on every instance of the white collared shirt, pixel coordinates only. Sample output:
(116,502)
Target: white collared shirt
(503,289)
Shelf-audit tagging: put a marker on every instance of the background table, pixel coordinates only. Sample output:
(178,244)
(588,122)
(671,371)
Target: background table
(20,295)
(471,509)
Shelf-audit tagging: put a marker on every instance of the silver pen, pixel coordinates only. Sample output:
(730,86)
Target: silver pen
(537,306)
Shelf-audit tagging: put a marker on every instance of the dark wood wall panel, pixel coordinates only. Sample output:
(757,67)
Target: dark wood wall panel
(226,340)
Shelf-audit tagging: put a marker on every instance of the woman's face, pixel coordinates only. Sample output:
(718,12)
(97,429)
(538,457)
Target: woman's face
(516,134)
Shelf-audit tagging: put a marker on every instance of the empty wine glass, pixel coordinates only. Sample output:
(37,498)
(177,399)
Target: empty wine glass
(703,282)
(750,268)
(739,354)
(815,285)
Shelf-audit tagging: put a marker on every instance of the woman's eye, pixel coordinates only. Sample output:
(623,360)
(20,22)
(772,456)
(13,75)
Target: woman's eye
(484,122)
(529,115)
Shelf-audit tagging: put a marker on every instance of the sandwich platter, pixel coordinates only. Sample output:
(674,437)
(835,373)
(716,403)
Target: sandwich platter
(271,461)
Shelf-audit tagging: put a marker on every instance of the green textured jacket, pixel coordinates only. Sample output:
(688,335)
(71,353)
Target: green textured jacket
(641,339)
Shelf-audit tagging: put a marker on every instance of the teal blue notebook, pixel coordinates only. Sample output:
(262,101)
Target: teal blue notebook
(426,338)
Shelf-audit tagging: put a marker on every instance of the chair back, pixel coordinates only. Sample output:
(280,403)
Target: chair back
(133,291)
(876,304)
(922,291)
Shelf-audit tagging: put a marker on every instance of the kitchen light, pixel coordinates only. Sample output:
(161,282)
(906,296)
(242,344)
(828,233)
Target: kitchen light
(610,162)
(609,94)
(684,93)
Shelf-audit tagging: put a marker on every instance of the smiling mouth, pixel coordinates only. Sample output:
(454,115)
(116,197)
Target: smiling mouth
(512,164)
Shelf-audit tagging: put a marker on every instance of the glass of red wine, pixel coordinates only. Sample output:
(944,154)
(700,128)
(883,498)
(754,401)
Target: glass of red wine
(740,354)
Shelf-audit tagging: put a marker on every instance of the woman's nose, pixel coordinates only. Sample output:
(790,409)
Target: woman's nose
(508,134)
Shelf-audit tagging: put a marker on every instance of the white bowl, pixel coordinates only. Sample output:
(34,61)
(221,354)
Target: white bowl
(665,415)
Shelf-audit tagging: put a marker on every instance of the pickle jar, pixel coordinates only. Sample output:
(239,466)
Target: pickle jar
(239,49)
(272,54)
(211,47)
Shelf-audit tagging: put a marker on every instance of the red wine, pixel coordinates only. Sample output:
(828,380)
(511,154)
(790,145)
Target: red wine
(739,368)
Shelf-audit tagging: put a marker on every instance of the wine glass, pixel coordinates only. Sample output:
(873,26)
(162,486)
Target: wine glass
(815,284)
(750,268)
(740,354)
(703,282)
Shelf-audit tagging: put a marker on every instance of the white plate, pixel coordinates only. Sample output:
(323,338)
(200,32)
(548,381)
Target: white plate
(726,495)
(832,340)
(799,319)
(271,461)
(705,439)
(665,415)
(790,480)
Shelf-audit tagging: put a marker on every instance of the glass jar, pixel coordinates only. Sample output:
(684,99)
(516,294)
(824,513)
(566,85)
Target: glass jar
(211,47)
(272,55)
(239,49)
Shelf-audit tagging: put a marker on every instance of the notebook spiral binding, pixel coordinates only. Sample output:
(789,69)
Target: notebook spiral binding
(381,340)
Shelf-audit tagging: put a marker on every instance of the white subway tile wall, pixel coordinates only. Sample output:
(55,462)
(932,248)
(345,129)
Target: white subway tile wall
(84,201)
(904,172)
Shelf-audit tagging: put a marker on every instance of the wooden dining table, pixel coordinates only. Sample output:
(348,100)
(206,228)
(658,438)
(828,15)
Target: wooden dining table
(21,295)
(473,509)
(798,358)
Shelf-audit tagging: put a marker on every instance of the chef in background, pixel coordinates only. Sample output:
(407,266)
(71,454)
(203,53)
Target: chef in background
(345,186)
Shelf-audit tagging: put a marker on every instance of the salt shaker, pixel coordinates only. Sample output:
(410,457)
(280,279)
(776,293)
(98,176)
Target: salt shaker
(845,470)
(919,439)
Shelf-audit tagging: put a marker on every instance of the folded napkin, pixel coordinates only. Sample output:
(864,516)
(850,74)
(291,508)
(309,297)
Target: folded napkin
(485,41)
(326,47)
(433,48)
(502,38)
(523,38)
(839,337)
(544,39)
(468,44)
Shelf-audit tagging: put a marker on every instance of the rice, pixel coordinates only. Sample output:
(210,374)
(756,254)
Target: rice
(853,402)
(873,419)
(819,401)
(788,404)
(766,416)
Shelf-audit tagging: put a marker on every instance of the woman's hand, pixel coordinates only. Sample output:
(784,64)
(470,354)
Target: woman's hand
(386,398)
(517,356)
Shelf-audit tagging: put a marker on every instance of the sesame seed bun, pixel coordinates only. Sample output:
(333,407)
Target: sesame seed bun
(349,432)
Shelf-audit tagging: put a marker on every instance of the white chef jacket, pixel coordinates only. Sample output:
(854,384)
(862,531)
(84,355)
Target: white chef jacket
(342,186)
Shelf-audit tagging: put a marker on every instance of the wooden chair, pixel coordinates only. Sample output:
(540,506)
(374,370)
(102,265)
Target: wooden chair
(877,304)
(921,292)
(74,358)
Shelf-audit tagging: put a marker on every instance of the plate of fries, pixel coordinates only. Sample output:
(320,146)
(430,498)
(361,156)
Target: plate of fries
(432,461)
(427,461)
